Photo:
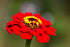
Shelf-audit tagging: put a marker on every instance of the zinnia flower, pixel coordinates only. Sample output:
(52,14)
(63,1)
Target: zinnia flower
(28,25)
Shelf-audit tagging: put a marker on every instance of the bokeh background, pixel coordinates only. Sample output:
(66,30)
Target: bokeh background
(57,11)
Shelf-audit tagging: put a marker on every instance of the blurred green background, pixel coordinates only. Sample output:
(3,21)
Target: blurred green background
(60,9)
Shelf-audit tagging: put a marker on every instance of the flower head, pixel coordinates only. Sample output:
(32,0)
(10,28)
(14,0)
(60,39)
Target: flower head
(27,26)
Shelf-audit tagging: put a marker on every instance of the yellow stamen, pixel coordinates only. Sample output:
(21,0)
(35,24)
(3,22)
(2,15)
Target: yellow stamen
(26,19)
(33,23)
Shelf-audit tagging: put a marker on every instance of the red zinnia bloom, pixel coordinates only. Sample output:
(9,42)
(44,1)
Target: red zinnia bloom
(27,25)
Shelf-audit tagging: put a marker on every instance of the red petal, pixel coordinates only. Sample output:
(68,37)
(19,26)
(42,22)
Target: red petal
(24,29)
(21,14)
(11,22)
(40,39)
(45,37)
(34,33)
(40,31)
(26,36)
(15,19)
(48,22)
(21,24)
(18,17)
(28,14)
(15,23)
(9,30)
(36,15)
(16,30)
(50,30)
(45,22)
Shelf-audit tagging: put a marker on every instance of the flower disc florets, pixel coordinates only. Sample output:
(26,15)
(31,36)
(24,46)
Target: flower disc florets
(32,22)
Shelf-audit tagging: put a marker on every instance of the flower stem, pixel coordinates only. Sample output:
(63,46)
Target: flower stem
(28,42)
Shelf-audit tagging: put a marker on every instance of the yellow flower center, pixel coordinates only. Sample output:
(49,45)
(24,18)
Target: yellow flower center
(32,22)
